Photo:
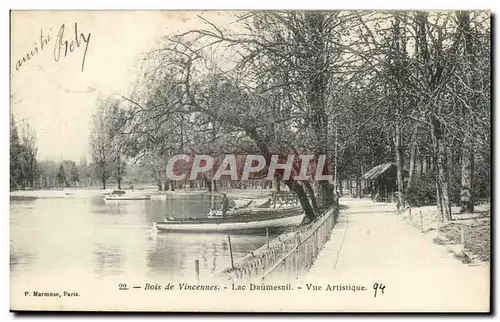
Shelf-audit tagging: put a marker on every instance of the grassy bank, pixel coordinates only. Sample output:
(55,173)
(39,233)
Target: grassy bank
(475,244)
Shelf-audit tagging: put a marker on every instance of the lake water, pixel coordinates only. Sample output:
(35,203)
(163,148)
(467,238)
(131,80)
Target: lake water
(89,238)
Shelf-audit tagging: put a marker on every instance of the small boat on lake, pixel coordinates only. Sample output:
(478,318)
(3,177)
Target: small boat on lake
(243,222)
(117,195)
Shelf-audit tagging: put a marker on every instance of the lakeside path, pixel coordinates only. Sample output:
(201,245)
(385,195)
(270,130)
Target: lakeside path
(370,244)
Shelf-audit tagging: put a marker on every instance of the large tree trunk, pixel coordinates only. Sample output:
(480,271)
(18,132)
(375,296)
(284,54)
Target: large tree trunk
(314,203)
(467,175)
(315,96)
(439,204)
(443,180)
(413,155)
(399,49)
(293,185)
(399,166)
(467,149)
(441,169)
(303,199)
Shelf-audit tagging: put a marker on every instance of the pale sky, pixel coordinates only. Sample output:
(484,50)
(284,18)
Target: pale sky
(57,98)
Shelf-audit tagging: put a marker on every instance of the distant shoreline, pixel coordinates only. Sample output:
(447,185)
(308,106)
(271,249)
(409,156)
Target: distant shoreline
(94,192)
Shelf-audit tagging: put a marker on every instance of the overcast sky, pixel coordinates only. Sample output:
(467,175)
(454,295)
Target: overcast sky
(57,98)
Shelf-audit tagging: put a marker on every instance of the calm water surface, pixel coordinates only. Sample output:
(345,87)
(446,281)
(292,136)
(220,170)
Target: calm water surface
(98,238)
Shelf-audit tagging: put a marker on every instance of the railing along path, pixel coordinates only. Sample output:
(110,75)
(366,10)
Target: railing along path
(289,255)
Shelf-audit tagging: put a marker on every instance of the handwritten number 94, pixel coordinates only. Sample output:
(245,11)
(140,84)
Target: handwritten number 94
(378,287)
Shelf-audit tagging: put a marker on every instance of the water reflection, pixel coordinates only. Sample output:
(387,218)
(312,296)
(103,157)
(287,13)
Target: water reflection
(108,260)
(102,238)
(174,254)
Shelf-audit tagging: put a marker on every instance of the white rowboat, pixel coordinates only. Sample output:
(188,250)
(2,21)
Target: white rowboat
(245,224)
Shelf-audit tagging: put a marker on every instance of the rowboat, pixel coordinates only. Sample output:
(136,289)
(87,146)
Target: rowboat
(243,223)
(117,195)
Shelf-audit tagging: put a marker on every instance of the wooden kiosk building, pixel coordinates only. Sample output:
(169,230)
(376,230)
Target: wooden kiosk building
(382,181)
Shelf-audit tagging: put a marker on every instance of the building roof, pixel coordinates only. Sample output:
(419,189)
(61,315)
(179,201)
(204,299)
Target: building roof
(381,169)
(374,173)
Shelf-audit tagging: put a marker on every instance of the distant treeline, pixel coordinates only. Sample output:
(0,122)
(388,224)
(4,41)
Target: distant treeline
(27,172)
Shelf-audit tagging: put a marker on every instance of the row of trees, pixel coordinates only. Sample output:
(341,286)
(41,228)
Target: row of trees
(58,174)
(362,88)
(26,171)
(23,153)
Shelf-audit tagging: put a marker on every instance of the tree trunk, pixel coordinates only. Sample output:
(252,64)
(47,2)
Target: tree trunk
(467,149)
(443,178)
(441,169)
(103,183)
(303,199)
(413,155)
(310,190)
(399,165)
(276,185)
(316,97)
(420,166)
(207,182)
(467,175)
(439,205)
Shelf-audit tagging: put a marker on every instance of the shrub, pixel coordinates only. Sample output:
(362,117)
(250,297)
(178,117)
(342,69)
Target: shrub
(422,192)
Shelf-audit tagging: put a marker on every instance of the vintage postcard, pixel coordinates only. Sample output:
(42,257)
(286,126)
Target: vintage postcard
(250,161)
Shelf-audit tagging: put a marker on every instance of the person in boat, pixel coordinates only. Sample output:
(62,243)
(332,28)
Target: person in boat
(224,205)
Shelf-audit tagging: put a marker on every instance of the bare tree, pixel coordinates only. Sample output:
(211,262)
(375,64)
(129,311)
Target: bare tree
(102,139)
(29,153)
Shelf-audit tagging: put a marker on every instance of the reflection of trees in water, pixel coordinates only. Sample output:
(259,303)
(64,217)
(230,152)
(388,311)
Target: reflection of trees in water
(22,201)
(20,260)
(189,206)
(156,210)
(174,254)
(107,259)
(119,207)
(166,258)
(97,204)
(121,213)
(214,252)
